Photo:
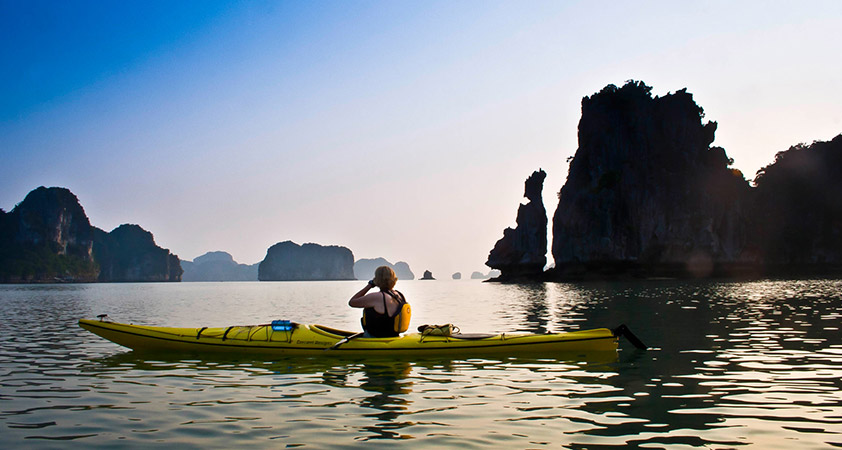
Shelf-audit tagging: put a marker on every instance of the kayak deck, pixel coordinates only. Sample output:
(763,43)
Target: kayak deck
(319,340)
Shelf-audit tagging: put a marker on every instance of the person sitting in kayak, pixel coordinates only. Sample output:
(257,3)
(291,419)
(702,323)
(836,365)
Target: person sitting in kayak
(386,313)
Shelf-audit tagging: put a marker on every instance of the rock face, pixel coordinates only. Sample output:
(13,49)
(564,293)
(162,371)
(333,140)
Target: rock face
(364,268)
(797,208)
(523,251)
(428,275)
(46,238)
(288,261)
(403,271)
(129,253)
(646,191)
(647,194)
(217,266)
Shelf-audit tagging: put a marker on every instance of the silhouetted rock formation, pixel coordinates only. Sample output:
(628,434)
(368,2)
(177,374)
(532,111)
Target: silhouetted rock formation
(288,261)
(403,271)
(645,191)
(428,275)
(129,253)
(523,251)
(217,266)
(47,237)
(457,276)
(797,208)
(364,268)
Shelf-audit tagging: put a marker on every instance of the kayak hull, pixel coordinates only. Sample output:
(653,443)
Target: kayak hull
(318,340)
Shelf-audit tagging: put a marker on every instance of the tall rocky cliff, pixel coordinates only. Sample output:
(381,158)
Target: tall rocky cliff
(48,238)
(647,194)
(129,253)
(523,251)
(288,261)
(796,210)
(646,190)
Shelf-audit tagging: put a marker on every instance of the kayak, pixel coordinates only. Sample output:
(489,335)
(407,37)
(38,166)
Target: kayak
(301,339)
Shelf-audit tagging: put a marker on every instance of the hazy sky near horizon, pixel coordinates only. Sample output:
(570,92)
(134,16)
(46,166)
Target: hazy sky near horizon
(397,129)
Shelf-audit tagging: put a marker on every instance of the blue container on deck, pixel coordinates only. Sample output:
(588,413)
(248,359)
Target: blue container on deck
(281,325)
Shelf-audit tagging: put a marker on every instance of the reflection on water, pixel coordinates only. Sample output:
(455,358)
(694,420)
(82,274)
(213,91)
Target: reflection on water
(386,385)
(733,365)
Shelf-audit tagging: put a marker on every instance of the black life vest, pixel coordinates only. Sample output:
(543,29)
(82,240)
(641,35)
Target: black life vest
(384,325)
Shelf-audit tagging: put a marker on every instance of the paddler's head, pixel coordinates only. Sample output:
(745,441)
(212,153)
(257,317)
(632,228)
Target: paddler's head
(385,278)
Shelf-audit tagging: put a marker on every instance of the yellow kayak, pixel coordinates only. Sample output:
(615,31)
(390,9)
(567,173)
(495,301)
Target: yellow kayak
(300,339)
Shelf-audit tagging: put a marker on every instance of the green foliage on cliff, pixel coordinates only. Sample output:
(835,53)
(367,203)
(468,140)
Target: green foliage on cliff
(47,237)
(22,263)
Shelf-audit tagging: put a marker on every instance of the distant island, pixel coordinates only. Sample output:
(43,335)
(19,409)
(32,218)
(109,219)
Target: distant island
(483,276)
(217,266)
(48,238)
(427,275)
(647,195)
(364,268)
(288,261)
(220,266)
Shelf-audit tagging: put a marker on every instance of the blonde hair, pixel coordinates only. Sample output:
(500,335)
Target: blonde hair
(385,278)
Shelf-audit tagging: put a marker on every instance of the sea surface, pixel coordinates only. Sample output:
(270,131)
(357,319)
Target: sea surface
(732,365)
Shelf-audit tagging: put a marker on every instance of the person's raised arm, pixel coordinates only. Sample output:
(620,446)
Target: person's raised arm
(357,299)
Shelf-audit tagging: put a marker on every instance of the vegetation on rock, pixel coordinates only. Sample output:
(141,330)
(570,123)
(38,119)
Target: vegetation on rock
(48,238)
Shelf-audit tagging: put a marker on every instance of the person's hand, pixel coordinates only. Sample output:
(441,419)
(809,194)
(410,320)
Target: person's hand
(371,283)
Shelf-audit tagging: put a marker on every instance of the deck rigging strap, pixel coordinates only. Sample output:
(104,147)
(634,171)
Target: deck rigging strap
(199,334)
(226,332)
(253,329)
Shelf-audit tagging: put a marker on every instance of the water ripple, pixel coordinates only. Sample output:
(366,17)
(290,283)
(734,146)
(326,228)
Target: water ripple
(733,364)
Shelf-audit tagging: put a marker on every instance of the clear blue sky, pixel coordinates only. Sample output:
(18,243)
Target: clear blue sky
(398,129)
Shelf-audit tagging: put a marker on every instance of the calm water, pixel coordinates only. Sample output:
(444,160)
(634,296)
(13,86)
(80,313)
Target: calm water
(734,365)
